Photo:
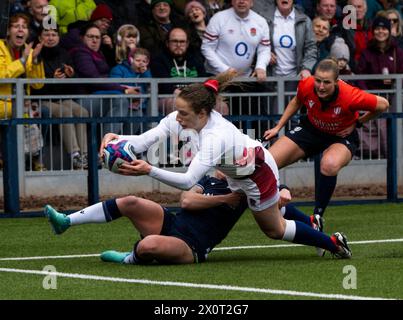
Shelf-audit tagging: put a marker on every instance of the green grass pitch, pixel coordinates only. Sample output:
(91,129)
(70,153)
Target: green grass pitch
(251,272)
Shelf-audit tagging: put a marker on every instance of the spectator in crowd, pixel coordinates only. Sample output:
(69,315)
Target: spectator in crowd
(374,6)
(124,12)
(330,10)
(154,33)
(396,23)
(38,12)
(134,66)
(293,44)
(294,50)
(19,60)
(326,9)
(321,30)
(195,12)
(102,17)
(17,6)
(127,39)
(58,65)
(236,49)
(69,11)
(175,62)
(341,53)
(89,62)
(214,6)
(329,44)
(357,39)
(238,39)
(382,56)
(144,12)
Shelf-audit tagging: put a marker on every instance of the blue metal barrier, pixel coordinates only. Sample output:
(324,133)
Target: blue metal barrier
(10,170)
(9,130)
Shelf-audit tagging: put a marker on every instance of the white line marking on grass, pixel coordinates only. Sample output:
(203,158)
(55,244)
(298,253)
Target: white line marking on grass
(215,249)
(51,257)
(193,285)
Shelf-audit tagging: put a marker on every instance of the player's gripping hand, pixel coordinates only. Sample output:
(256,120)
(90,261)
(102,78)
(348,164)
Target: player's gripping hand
(285,198)
(233,199)
(135,168)
(106,139)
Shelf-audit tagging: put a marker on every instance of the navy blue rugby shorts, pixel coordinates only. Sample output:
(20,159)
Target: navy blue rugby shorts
(314,141)
(173,227)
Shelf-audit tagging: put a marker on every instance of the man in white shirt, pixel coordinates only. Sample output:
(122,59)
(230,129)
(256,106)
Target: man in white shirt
(232,39)
(238,39)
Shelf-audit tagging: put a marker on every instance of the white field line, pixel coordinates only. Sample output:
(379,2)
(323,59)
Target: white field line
(72,256)
(215,249)
(193,285)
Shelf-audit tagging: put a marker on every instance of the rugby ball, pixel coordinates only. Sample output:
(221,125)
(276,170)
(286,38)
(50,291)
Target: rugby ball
(118,152)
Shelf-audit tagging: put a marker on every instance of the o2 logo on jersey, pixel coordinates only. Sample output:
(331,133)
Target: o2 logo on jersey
(241,49)
(286,41)
(337,110)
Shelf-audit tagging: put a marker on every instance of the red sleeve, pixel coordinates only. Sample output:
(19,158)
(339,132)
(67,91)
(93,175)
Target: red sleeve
(362,100)
(302,88)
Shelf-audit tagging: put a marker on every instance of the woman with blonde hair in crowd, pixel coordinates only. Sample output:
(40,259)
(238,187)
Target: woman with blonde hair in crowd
(127,39)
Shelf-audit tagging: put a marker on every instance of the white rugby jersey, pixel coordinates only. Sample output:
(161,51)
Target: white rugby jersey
(218,145)
(232,42)
(284,44)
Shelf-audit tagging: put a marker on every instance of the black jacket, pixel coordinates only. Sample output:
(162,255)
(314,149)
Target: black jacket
(54,58)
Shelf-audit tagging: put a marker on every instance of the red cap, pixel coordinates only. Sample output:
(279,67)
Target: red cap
(101,11)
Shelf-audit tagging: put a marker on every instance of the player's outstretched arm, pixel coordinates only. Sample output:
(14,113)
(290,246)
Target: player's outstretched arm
(191,200)
(292,108)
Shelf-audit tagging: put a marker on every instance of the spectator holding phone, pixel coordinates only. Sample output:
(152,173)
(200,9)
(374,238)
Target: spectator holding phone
(58,65)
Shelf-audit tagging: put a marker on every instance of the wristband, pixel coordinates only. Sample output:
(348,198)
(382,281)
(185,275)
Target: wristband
(283,186)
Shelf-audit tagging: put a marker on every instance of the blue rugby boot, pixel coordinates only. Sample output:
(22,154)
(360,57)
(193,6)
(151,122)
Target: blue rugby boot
(114,256)
(58,221)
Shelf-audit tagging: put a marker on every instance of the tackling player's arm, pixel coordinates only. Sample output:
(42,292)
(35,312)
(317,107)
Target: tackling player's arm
(285,196)
(292,108)
(194,199)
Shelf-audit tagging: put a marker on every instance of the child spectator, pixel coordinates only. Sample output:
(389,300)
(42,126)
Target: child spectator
(135,66)
(127,39)
(341,53)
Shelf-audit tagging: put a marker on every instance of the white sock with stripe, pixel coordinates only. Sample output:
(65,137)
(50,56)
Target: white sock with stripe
(91,214)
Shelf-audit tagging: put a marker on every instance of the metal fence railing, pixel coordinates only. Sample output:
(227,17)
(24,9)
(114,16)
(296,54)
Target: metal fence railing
(253,111)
